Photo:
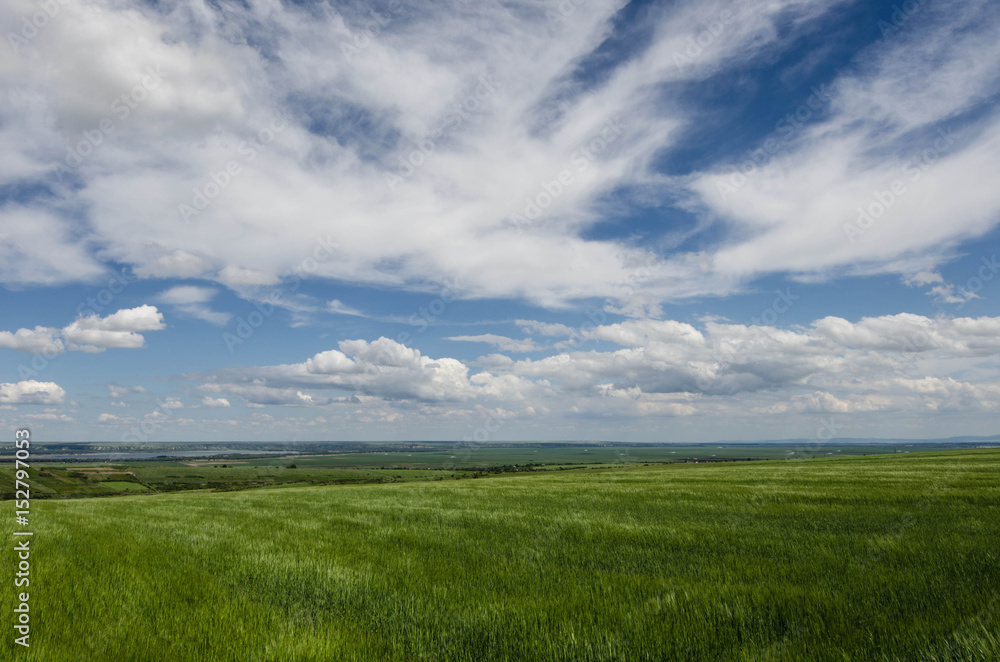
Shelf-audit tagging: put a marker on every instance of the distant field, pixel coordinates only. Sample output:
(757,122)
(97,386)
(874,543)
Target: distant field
(324,463)
(87,480)
(123,486)
(890,557)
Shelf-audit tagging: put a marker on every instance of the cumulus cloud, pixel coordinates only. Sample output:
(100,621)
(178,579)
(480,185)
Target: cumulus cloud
(259,394)
(382,367)
(214,402)
(667,368)
(89,333)
(40,340)
(494,361)
(50,416)
(31,393)
(93,333)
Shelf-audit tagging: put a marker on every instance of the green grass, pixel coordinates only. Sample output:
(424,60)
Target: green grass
(124,486)
(853,558)
(474,456)
(84,480)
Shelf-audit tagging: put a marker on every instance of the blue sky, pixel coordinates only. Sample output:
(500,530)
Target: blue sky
(577,220)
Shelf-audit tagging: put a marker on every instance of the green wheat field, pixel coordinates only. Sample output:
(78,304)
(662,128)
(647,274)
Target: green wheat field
(890,557)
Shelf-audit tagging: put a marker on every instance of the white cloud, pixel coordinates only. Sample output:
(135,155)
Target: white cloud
(93,333)
(39,247)
(494,361)
(176,264)
(948,293)
(546,328)
(214,402)
(205,313)
(186,294)
(531,127)
(900,362)
(90,333)
(116,391)
(339,308)
(142,318)
(40,340)
(238,277)
(31,393)
(382,367)
(191,300)
(503,343)
(258,395)
(922,278)
(50,416)
(894,177)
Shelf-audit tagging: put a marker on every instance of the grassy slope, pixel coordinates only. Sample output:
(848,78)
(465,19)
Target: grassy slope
(890,557)
(84,479)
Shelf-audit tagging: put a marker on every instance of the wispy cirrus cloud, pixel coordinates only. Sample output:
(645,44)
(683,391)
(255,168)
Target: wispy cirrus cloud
(894,177)
(539,139)
(503,343)
(192,300)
